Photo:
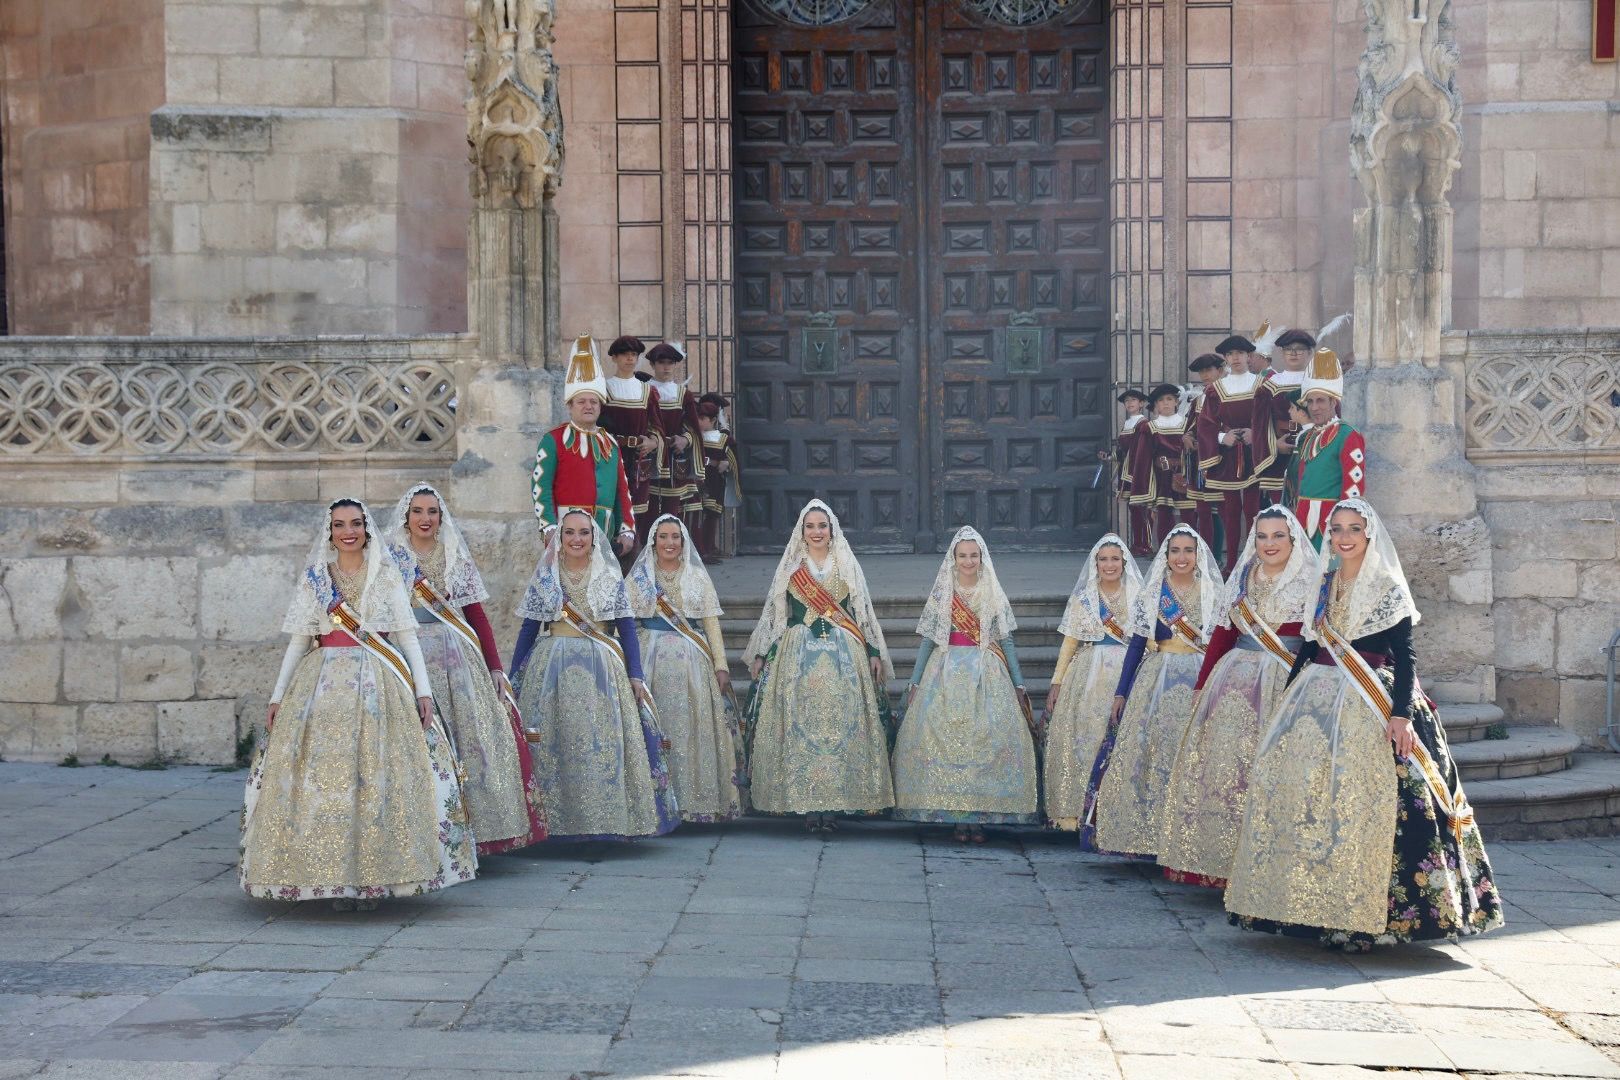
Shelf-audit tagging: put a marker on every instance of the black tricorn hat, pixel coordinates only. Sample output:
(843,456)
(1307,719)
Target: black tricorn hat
(717,400)
(1205,361)
(664,352)
(1296,337)
(626,344)
(1235,343)
(1131,392)
(1164,390)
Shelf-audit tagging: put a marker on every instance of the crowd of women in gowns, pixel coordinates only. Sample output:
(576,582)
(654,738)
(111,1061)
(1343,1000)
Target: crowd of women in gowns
(1265,735)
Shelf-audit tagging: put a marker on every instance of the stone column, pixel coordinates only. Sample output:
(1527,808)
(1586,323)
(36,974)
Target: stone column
(1404,143)
(508,392)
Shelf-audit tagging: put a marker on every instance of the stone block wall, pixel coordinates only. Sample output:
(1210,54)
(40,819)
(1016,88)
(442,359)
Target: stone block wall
(308,169)
(80,77)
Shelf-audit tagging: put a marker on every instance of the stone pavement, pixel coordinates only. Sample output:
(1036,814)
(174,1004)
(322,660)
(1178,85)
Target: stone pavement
(127,951)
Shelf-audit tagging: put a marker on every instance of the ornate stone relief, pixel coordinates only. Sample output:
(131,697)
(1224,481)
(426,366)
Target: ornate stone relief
(514,120)
(1540,394)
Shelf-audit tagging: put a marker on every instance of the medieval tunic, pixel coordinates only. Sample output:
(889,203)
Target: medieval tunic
(1158,482)
(1139,529)
(1272,425)
(677,474)
(625,415)
(1227,406)
(1205,499)
(721,485)
(349,797)
(1244,669)
(1331,465)
(575,467)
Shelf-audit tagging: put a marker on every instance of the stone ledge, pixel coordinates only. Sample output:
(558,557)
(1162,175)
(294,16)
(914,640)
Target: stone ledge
(1526,752)
(1583,800)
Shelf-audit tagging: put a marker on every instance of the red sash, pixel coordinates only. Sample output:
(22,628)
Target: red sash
(820,601)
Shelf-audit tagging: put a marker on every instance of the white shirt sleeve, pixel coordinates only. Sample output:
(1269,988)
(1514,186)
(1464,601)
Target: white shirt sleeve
(297,646)
(406,640)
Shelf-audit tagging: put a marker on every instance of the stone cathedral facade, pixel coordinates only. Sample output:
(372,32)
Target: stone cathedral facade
(260,254)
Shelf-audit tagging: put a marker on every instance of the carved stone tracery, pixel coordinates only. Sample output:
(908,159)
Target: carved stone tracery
(514,119)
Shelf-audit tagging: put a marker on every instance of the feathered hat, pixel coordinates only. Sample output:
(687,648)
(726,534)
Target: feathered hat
(584,371)
(1323,376)
(1265,338)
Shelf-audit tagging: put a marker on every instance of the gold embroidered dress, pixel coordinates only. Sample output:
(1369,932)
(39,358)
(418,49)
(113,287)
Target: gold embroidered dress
(964,753)
(600,757)
(818,722)
(349,797)
(1242,678)
(1343,840)
(1156,679)
(1086,674)
(681,649)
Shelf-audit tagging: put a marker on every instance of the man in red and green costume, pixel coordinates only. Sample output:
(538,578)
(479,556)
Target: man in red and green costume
(1331,459)
(579,464)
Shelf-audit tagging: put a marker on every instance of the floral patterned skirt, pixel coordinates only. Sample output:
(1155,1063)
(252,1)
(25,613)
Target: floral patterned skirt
(349,796)
(964,754)
(1078,726)
(600,758)
(503,800)
(705,745)
(1343,841)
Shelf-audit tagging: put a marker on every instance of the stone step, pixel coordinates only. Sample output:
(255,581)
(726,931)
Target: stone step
(1527,751)
(1466,723)
(1583,800)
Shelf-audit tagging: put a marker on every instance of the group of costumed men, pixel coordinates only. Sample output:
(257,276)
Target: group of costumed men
(1250,434)
(1261,731)
(637,446)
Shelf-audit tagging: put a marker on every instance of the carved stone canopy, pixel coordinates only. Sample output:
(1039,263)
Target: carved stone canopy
(1404,133)
(514,120)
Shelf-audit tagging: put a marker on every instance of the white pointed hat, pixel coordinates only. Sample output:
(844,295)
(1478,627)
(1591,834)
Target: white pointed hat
(1324,376)
(584,371)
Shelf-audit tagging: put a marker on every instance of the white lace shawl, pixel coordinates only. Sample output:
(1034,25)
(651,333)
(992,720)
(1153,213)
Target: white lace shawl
(986,598)
(773,619)
(1145,609)
(1380,596)
(462,583)
(385,603)
(698,599)
(543,599)
(1290,598)
(1080,619)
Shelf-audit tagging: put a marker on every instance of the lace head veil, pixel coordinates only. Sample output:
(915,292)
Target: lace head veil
(543,599)
(698,599)
(462,583)
(1207,572)
(987,599)
(1080,618)
(1380,596)
(1291,595)
(773,619)
(385,606)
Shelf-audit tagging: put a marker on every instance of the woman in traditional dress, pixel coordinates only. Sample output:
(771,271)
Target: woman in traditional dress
(447,594)
(354,796)
(685,660)
(965,754)
(1153,701)
(818,714)
(1343,840)
(1244,670)
(1082,694)
(600,754)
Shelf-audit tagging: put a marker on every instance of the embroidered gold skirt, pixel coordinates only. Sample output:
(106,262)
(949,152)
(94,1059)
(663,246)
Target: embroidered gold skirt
(1130,799)
(1203,805)
(704,741)
(819,744)
(964,753)
(349,796)
(1075,733)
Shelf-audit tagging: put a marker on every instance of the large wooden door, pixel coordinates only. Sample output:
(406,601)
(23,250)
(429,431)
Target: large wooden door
(920,267)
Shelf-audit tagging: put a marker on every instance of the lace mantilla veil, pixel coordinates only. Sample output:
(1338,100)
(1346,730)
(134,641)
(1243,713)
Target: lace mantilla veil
(1080,619)
(543,599)
(698,598)
(773,620)
(1291,595)
(1380,597)
(385,605)
(987,600)
(1145,611)
(462,583)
